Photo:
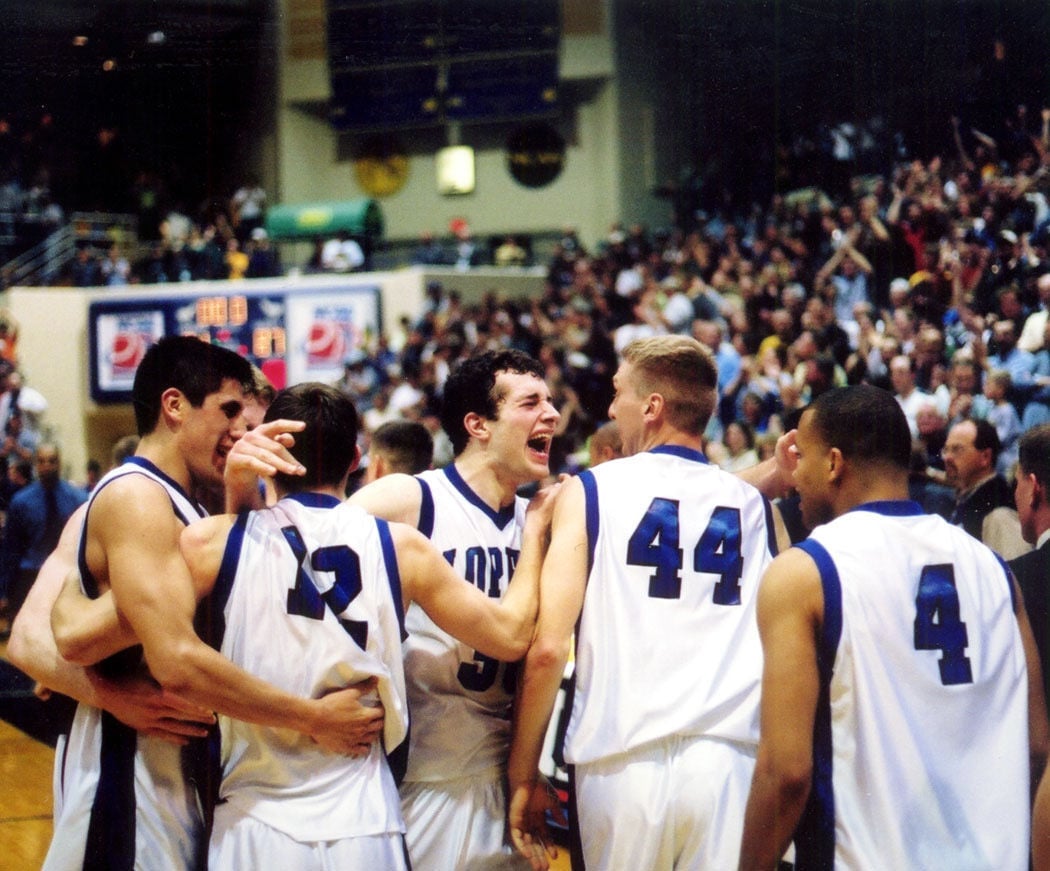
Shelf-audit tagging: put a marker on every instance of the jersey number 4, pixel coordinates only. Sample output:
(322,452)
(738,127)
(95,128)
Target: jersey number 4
(938,625)
(656,543)
(305,600)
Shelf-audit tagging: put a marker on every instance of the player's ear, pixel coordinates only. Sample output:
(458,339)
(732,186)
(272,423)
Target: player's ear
(654,406)
(476,425)
(836,464)
(173,403)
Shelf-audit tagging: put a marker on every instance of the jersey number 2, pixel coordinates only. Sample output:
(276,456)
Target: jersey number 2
(655,543)
(938,625)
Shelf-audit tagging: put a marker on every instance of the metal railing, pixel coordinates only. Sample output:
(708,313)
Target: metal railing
(46,260)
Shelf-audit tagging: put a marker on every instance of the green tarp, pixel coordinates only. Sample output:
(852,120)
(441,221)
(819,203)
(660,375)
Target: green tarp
(306,220)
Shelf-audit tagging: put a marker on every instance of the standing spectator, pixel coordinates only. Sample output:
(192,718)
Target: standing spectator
(1032,570)
(263,260)
(983,501)
(114,269)
(1003,416)
(898,724)
(849,285)
(429,252)
(1033,334)
(909,397)
(342,254)
(86,271)
(34,523)
(236,260)
(247,208)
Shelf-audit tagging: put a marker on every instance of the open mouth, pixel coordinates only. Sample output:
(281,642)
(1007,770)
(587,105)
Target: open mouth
(540,445)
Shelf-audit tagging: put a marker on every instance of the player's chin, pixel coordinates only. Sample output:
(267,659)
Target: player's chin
(539,463)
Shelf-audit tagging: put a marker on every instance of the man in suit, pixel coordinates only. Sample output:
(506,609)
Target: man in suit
(1032,570)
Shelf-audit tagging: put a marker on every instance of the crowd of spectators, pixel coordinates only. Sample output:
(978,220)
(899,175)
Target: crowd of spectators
(931,280)
(927,276)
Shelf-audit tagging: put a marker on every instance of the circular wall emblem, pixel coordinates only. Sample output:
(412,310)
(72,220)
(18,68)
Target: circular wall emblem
(535,155)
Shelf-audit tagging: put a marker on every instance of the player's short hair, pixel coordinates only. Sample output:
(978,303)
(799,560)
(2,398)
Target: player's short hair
(328,445)
(471,388)
(193,367)
(683,372)
(406,444)
(1033,453)
(865,423)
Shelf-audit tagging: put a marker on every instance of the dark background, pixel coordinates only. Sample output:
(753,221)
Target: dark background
(744,76)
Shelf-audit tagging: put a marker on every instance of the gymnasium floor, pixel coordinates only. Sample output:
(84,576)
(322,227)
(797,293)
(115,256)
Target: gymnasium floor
(25,796)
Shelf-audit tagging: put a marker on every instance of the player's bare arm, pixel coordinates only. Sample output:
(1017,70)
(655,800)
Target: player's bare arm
(562,584)
(152,588)
(88,630)
(501,628)
(790,605)
(396,498)
(136,701)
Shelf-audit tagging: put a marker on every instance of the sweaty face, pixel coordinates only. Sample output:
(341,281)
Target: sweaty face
(522,431)
(811,474)
(210,431)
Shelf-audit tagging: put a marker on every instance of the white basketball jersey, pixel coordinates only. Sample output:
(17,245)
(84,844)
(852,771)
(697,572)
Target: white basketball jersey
(310,602)
(460,699)
(126,799)
(921,734)
(667,641)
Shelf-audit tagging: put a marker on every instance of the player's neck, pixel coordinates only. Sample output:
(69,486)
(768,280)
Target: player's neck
(667,436)
(483,477)
(881,487)
(165,455)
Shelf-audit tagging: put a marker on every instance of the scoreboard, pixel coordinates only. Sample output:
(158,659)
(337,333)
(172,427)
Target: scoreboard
(293,334)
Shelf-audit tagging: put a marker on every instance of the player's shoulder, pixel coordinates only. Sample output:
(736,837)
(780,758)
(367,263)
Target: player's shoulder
(395,498)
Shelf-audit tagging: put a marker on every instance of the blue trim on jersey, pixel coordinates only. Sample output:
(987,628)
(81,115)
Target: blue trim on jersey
(212,626)
(1009,580)
(314,500)
(771,530)
(500,518)
(815,835)
(110,844)
(426,509)
(590,496)
(393,573)
(142,462)
(892,508)
(681,452)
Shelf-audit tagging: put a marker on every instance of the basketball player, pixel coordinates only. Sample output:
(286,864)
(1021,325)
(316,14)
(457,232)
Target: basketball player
(125,799)
(308,595)
(498,413)
(658,556)
(901,696)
